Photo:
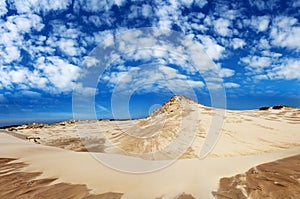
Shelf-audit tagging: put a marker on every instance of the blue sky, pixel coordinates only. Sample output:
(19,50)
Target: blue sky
(46,47)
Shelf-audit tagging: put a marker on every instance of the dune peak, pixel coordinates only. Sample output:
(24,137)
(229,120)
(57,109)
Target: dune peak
(175,105)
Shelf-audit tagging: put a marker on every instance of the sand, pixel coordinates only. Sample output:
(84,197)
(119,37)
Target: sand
(276,180)
(17,184)
(248,138)
(192,176)
(243,132)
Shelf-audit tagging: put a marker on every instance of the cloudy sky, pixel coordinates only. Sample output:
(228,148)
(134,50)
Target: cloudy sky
(46,48)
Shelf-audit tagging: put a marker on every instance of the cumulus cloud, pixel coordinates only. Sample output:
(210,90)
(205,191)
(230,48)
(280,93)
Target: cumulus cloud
(259,4)
(147,10)
(95,20)
(260,23)
(287,70)
(3,9)
(29,93)
(60,73)
(200,3)
(263,44)
(68,46)
(211,47)
(257,61)
(90,61)
(226,72)
(231,85)
(151,79)
(54,50)
(13,31)
(96,5)
(238,43)
(222,27)
(10,54)
(168,13)
(22,78)
(285,33)
(29,6)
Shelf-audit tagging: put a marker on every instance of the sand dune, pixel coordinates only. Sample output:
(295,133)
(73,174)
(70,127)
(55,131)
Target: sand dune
(191,176)
(243,133)
(17,184)
(248,138)
(276,180)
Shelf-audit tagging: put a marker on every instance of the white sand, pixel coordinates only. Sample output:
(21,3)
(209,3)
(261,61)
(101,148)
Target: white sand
(248,138)
(192,176)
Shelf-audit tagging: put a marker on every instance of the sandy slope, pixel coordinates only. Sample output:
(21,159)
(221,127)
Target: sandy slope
(193,176)
(248,138)
(275,180)
(15,183)
(180,120)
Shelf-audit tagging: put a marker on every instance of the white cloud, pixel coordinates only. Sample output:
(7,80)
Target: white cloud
(12,33)
(10,54)
(229,14)
(238,43)
(257,62)
(200,3)
(38,80)
(135,12)
(263,23)
(222,27)
(271,54)
(287,70)
(29,6)
(186,3)
(285,33)
(68,47)
(263,44)
(146,10)
(259,4)
(3,9)
(5,80)
(226,72)
(21,77)
(168,13)
(260,23)
(61,74)
(95,5)
(119,2)
(96,20)
(60,30)
(151,79)
(29,93)
(25,22)
(211,47)
(231,85)
(90,61)
(84,91)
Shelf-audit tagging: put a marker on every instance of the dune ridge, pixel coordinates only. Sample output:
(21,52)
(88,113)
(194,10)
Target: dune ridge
(243,133)
(248,139)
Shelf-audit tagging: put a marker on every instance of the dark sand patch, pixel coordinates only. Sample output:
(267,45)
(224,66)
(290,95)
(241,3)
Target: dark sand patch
(277,180)
(17,184)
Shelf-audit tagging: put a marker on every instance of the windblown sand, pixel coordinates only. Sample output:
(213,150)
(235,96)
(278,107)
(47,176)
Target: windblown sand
(248,138)
(276,180)
(14,183)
